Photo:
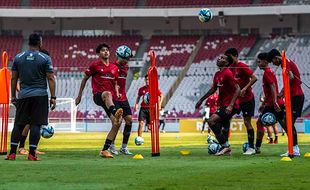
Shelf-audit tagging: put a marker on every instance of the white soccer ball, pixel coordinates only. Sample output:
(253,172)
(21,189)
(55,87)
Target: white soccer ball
(214,148)
(139,141)
(123,52)
(47,131)
(205,15)
(146,98)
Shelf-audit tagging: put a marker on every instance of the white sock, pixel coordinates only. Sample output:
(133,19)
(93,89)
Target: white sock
(124,145)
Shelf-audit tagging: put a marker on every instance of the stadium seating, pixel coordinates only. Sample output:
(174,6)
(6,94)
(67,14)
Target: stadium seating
(172,50)
(83,4)
(11,44)
(68,52)
(164,3)
(10,3)
(297,2)
(271,1)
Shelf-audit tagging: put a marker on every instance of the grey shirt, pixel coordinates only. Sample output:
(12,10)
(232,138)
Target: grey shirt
(32,67)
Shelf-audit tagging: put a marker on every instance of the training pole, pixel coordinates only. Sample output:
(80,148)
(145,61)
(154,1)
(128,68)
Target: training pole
(288,110)
(154,109)
(4,102)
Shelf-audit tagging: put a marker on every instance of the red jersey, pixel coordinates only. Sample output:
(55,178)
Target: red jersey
(121,81)
(142,91)
(103,76)
(270,78)
(226,83)
(296,89)
(211,103)
(242,74)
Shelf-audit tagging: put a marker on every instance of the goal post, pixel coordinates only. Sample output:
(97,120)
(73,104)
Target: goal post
(65,105)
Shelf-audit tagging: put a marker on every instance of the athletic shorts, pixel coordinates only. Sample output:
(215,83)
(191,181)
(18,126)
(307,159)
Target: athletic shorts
(297,103)
(144,115)
(32,110)
(125,106)
(247,108)
(98,101)
(279,115)
(222,113)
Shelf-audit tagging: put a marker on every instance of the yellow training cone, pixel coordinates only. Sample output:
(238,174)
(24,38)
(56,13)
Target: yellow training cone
(185,152)
(307,155)
(286,159)
(138,157)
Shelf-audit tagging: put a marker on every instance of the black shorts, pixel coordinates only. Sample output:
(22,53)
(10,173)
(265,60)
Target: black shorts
(144,115)
(125,106)
(32,110)
(222,113)
(279,115)
(98,101)
(297,103)
(247,108)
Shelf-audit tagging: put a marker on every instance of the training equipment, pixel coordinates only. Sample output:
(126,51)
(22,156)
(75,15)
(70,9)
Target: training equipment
(185,152)
(245,146)
(123,52)
(138,157)
(47,131)
(211,139)
(205,15)
(268,119)
(214,148)
(146,98)
(139,141)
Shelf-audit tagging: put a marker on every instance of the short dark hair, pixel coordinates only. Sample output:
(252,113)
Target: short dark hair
(146,76)
(232,51)
(263,56)
(100,46)
(34,39)
(273,53)
(45,51)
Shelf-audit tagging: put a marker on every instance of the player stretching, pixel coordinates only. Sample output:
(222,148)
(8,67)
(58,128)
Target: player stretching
(297,94)
(272,103)
(103,80)
(121,100)
(245,78)
(227,103)
(144,113)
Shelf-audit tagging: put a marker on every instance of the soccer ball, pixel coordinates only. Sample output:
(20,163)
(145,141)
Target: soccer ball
(139,141)
(245,146)
(205,15)
(146,98)
(211,139)
(47,131)
(268,119)
(214,148)
(123,52)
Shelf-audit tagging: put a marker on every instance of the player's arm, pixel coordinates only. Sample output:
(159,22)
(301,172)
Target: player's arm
(161,98)
(233,100)
(51,84)
(137,102)
(211,91)
(117,87)
(82,86)
(275,97)
(14,80)
(252,81)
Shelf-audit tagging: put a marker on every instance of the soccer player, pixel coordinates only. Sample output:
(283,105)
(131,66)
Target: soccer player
(272,103)
(209,110)
(245,78)
(34,70)
(227,103)
(121,101)
(144,113)
(297,94)
(103,77)
(162,122)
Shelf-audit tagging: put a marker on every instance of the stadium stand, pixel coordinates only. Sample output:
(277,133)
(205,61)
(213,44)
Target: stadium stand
(81,3)
(11,44)
(10,3)
(164,3)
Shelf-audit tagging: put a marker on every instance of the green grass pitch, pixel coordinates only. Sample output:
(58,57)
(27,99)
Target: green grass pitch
(72,162)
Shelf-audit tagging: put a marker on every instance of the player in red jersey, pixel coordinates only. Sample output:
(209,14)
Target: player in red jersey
(297,94)
(209,110)
(245,78)
(144,113)
(272,103)
(227,103)
(121,101)
(103,77)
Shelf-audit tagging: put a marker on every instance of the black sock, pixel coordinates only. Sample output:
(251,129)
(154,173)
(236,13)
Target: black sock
(251,137)
(22,141)
(112,109)
(126,133)
(258,143)
(15,137)
(34,139)
(107,144)
(295,140)
(275,138)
